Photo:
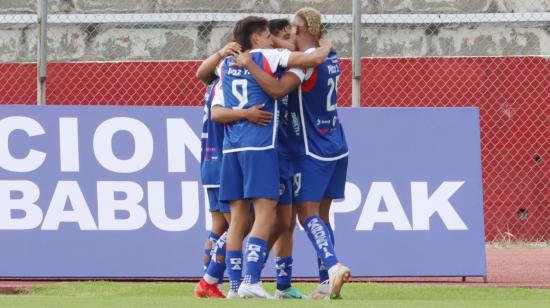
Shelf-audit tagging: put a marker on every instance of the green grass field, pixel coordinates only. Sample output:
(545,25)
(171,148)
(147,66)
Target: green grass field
(113,294)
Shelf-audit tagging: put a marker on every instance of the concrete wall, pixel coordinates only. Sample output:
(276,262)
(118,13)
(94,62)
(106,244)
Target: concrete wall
(456,6)
(188,40)
(328,6)
(457,40)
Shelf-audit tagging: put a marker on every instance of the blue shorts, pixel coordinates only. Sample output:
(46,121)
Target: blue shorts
(250,175)
(286,172)
(215,204)
(315,179)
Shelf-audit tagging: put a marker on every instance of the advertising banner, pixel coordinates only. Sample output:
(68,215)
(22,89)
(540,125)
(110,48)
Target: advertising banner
(115,192)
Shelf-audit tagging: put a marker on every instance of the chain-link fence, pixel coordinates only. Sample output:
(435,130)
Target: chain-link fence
(487,53)
(18,37)
(490,54)
(146,52)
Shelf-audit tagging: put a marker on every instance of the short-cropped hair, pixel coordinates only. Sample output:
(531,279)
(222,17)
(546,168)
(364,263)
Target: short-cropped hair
(278,25)
(244,29)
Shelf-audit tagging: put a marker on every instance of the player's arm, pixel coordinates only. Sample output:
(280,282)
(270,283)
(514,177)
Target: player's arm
(206,70)
(276,88)
(312,59)
(254,115)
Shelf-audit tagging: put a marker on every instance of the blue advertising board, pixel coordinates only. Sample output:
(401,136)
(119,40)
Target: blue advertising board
(115,192)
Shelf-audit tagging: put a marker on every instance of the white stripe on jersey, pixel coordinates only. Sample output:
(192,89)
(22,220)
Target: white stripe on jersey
(218,99)
(328,158)
(211,186)
(275,123)
(269,147)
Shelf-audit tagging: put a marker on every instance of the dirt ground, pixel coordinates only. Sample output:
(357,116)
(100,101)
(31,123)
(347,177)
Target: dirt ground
(506,267)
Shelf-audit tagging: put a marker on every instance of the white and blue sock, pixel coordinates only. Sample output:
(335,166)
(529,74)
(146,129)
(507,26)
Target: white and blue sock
(213,238)
(255,254)
(283,266)
(216,268)
(323,271)
(319,235)
(234,264)
(331,233)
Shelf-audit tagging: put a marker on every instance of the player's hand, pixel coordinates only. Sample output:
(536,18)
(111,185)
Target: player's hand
(231,49)
(256,115)
(323,42)
(242,60)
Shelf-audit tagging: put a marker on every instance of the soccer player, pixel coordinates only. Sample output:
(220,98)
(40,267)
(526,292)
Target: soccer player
(318,138)
(280,30)
(211,142)
(211,147)
(281,239)
(211,156)
(250,166)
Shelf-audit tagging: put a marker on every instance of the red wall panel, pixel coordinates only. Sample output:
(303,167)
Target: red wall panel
(513,94)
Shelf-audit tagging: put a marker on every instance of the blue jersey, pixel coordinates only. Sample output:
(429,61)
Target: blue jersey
(316,127)
(211,140)
(283,133)
(241,91)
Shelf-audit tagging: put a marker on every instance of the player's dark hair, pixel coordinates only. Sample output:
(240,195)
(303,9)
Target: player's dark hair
(244,29)
(278,25)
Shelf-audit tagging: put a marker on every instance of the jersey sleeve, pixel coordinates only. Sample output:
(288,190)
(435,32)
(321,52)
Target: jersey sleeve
(276,57)
(218,100)
(300,73)
(219,69)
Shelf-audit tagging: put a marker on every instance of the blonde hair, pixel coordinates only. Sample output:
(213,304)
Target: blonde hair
(312,17)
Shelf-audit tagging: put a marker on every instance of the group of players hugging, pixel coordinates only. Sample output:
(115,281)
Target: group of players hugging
(273,149)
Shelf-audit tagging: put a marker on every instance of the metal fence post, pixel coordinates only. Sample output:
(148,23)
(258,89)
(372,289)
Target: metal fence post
(42,51)
(356,54)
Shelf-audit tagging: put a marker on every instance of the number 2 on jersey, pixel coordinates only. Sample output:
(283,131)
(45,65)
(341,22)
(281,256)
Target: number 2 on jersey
(333,84)
(241,96)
